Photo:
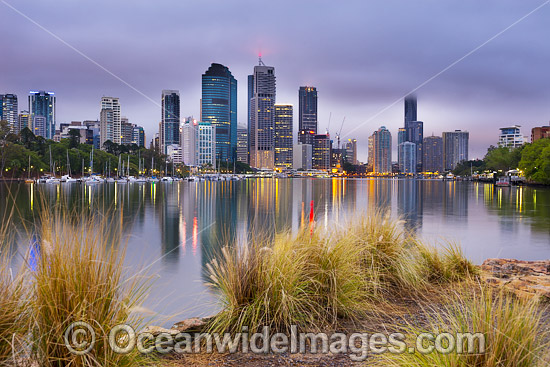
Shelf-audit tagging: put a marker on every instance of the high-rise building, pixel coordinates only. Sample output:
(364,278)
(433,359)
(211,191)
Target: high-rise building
(322,152)
(138,136)
(307,119)
(415,134)
(219,106)
(93,135)
(24,121)
(283,135)
(351,151)
(206,144)
(39,126)
(455,148)
(302,156)
(414,129)
(540,133)
(110,121)
(407,153)
(9,111)
(433,154)
(401,138)
(42,104)
(262,117)
(242,144)
(382,151)
(511,137)
(370,157)
(127,131)
(410,109)
(170,124)
(189,141)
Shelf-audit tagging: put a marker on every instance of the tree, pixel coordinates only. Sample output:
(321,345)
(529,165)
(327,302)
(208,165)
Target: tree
(74,138)
(535,161)
(26,137)
(5,131)
(502,158)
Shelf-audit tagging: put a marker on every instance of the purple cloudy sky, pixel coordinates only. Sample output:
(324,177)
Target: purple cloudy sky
(361,55)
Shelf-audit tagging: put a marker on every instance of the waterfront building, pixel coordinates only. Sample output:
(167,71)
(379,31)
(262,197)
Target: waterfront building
(24,121)
(206,144)
(138,136)
(410,109)
(219,106)
(283,135)
(93,134)
(110,120)
(169,131)
(370,157)
(242,144)
(189,141)
(433,154)
(511,137)
(127,131)
(401,138)
(455,148)
(307,114)
(407,153)
(415,134)
(322,152)
(42,104)
(9,111)
(351,151)
(302,156)
(262,117)
(540,133)
(381,140)
(39,125)
(174,153)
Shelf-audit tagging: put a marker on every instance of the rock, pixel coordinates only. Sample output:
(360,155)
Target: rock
(192,325)
(157,330)
(526,279)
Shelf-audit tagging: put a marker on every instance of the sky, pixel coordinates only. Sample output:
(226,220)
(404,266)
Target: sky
(363,57)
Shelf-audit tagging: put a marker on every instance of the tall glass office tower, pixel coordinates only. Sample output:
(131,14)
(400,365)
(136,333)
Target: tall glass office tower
(219,107)
(307,119)
(262,117)
(170,124)
(42,104)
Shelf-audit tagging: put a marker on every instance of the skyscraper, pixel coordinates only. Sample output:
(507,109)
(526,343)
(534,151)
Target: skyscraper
(138,136)
(381,140)
(170,124)
(407,152)
(219,106)
(25,121)
(307,119)
(205,144)
(410,109)
(189,133)
(242,144)
(455,148)
(262,117)
(42,104)
(9,111)
(351,151)
(433,154)
(126,131)
(283,135)
(322,152)
(370,157)
(414,128)
(110,121)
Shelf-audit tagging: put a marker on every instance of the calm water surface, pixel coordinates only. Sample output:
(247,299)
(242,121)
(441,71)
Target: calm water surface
(173,229)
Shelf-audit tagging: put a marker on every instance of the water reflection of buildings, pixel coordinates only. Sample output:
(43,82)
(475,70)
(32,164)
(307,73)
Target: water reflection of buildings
(410,198)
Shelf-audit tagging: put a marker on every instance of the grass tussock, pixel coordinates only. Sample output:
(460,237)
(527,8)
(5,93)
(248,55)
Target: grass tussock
(511,328)
(80,279)
(315,279)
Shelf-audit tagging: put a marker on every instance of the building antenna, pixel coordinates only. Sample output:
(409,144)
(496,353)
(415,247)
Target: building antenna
(260,62)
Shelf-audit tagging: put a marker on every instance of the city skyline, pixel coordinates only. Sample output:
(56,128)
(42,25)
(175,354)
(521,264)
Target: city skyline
(364,79)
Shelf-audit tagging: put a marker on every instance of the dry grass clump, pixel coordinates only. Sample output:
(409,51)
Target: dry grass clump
(80,279)
(511,329)
(317,278)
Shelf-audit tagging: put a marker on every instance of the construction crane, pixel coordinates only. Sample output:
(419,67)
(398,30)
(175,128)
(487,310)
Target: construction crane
(338,137)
